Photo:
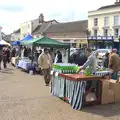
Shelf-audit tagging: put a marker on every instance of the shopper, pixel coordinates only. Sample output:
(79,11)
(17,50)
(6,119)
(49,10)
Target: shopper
(4,56)
(45,63)
(58,58)
(106,60)
(8,54)
(0,56)
(114,63)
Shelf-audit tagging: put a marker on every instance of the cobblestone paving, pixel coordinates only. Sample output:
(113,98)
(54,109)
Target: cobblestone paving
(25,97)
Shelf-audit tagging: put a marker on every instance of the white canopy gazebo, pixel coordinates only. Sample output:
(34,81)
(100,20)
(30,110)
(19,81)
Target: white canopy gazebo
(3,42)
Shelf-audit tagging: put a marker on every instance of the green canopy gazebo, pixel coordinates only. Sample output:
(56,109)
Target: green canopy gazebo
(46,42)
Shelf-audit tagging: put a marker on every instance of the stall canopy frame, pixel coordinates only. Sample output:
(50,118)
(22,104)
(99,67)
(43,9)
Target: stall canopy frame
(46,42)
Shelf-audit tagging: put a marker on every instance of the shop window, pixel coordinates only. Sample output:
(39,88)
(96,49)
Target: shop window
(106,21)
(105,32)
(95,32)
(74,45)
(116,32)
(95,21)
(116,20)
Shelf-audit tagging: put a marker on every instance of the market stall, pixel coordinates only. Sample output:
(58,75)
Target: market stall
(44,42)
(14,60)
(17,43)
(77,89)
(26,64)
(3,42)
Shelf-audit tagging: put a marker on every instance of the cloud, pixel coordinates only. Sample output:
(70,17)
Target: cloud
(14,12)
(11,8)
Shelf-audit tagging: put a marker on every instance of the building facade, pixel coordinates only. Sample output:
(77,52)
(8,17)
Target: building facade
(69,32)
(104,26)
(16,35)
(35,27)
(28,27)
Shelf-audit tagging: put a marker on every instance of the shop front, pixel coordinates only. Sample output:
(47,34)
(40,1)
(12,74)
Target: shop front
(100,42)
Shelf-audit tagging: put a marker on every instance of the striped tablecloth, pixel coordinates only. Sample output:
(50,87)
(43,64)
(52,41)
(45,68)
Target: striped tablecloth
(57,86)
(72,90)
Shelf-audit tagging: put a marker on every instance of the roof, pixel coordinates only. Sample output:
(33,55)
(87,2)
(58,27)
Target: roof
(110,6)
(28,37)
(17,31)
(75,26)
(43,26)
(6,37)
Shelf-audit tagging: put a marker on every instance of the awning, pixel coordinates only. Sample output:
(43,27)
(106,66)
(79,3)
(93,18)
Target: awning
(46,42)
(3,42)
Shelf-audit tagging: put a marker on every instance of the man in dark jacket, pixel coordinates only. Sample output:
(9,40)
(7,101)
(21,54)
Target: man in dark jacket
(4,56)
(59,57)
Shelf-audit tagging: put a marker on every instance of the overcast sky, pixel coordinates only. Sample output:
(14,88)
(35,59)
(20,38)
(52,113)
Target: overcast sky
(14,12)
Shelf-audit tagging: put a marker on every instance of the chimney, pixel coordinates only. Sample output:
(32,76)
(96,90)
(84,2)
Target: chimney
(41,18)
(117,2)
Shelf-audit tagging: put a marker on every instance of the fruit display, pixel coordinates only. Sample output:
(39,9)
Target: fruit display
(87,72)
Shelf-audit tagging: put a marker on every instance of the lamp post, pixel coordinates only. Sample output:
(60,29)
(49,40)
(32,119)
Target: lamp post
(0,33)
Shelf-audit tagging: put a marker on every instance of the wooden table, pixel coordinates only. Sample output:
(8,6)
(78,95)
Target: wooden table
(78,78)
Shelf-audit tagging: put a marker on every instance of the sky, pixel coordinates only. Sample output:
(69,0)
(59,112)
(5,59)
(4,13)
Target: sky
(15,12)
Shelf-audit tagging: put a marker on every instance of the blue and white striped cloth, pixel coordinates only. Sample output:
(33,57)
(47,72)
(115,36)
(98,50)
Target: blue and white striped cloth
(72,90)
(57,86)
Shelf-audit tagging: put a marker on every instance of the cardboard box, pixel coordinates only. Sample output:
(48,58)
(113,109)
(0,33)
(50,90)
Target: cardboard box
(116,88)
(108,98)
(118,81)
(111,96)
(108,95)
(105,86)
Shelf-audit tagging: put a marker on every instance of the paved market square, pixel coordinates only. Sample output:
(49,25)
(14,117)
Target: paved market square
(25,97)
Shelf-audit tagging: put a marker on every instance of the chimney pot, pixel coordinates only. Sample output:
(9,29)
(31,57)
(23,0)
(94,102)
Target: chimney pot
(41,18)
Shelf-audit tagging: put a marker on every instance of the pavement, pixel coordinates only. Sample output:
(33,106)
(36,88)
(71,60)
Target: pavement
(25,97)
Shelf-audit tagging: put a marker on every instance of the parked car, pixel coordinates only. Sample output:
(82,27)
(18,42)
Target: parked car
(78,57)
(73,50)
(102,52)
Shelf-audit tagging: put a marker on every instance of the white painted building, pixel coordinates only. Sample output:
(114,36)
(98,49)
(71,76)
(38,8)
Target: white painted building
(104,24)
(29,26)
(16,35)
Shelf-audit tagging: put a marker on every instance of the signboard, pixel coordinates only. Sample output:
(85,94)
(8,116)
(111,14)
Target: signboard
(106,38)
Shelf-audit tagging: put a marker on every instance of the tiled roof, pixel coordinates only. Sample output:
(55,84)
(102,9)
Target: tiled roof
(69,27)
(110,6)
(76,26)
(17,31)
(43,26)
(6,37)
